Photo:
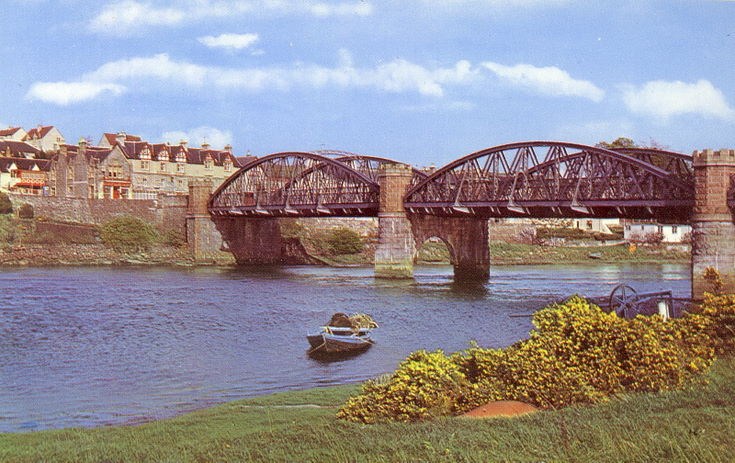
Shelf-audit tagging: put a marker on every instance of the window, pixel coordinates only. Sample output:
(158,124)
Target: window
(145,165)
(627,227)
(163,166)
(208,163)
(660,229)
(674,230)
(181,168)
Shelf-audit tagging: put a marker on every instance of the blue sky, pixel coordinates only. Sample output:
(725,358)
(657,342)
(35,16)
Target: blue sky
(421,81)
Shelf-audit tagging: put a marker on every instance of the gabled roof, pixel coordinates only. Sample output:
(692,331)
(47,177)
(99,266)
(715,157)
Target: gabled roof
(199,155)
(9,132)
(111,138)
(24,164)
(38,132)
(18,148)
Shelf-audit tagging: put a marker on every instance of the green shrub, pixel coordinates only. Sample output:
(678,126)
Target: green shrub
(25,211)
(344,241)
(6,207)
(577,353)
(173,238)
(127,233)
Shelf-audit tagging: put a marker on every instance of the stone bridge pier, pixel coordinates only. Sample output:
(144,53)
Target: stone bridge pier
(400,234)
(713,230)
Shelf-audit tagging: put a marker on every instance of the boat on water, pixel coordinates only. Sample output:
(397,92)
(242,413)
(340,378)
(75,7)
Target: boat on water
(343,335)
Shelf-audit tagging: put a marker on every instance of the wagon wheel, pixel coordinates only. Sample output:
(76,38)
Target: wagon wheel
(622,299)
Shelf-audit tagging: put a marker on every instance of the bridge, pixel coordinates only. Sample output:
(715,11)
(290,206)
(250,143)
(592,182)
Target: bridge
(536,179)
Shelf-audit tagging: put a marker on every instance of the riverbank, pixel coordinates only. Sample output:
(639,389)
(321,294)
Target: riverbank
(691,425)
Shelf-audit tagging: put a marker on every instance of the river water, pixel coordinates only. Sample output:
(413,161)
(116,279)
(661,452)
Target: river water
(99,346)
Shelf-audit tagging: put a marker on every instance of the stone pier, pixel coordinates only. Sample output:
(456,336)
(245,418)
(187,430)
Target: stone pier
(201,234)
(396,245)
(713,230)
(252,240)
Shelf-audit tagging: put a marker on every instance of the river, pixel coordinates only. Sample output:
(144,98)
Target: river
(100,346)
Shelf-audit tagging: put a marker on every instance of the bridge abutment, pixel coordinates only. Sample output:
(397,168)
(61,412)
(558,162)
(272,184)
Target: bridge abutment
(201,234)
(713,230)
(252,240)
(396,244)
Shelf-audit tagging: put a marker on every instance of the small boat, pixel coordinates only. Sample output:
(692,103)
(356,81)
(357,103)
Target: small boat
(343,335)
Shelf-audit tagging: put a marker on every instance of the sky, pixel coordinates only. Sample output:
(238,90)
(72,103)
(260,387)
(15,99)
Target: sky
(419,81)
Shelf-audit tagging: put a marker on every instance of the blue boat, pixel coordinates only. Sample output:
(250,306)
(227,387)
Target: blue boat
(343,334)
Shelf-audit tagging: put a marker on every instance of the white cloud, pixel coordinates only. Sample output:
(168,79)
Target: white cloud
(546,80)
(65,93)
(397,76)
(125,17)
(229,41)
(196,137)
(664,99)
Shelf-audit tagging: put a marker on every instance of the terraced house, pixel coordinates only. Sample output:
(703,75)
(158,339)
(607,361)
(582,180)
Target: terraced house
(22,167)
(126,167)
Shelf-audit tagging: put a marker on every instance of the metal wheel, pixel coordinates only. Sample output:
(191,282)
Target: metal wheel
(623,299)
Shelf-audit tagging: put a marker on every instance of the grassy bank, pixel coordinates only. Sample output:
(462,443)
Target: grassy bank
(696,425)
(510,253)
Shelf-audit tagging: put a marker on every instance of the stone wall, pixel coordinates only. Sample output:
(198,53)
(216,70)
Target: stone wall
(168,212)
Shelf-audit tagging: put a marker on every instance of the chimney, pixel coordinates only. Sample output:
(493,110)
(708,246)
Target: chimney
(205,145)
(228,148)
(82,145)
(120,137)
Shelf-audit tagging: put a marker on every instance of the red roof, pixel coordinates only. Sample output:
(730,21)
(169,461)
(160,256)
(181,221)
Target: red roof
(38,132)
(9,131)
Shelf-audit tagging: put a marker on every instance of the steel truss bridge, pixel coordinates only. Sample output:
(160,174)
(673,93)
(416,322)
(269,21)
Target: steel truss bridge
(525,179)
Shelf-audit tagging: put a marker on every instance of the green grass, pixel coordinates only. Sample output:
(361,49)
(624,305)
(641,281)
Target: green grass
(695,425)
(511,253)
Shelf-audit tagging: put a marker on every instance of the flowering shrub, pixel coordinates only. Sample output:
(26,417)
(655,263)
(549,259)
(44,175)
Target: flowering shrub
(425,385)
(577,353)
(719,310)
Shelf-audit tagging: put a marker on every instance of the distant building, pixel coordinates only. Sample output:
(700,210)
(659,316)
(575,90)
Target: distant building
(595,225)
(25,176)
(13,133)
(81,171)
(45,138)
(19,149)
(644,231)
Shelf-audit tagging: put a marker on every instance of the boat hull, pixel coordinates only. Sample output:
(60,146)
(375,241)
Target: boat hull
(333,344)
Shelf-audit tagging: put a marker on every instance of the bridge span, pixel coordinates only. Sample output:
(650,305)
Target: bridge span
(540,179)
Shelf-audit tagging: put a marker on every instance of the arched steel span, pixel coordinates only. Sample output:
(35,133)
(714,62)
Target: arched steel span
(675,163)
(555,179)
(296,184)
(368,165)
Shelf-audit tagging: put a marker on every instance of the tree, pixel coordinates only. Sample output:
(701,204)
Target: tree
(620,142)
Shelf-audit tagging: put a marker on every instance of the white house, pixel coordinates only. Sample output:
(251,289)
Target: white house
(638,231)
(46,138)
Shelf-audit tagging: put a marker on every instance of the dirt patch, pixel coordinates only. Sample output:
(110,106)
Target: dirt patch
(502,408)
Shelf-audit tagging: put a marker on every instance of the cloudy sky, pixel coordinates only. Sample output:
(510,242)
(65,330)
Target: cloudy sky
(421,81)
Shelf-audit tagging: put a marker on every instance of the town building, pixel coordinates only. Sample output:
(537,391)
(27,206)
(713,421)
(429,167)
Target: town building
(126,167)
(46,138)
(656,232)
(13,133)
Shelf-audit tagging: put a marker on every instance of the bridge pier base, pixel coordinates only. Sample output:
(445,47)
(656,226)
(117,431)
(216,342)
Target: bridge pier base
(396,244)
(252,240)
(713,230)
(396,247)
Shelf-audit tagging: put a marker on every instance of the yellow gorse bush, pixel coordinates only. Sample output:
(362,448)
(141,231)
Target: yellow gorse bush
(577,353)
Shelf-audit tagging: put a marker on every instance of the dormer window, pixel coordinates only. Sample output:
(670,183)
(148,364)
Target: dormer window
(180,157)
(208,163)
(228,164)
(145,154)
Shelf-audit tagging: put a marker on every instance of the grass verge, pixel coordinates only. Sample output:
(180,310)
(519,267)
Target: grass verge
(693,425)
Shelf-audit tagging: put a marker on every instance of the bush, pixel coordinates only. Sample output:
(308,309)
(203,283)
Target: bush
(174,238)
(6,207)
(127,233)
(344,241)
(720,311)
(577,353)
(25,211)
(426,385)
